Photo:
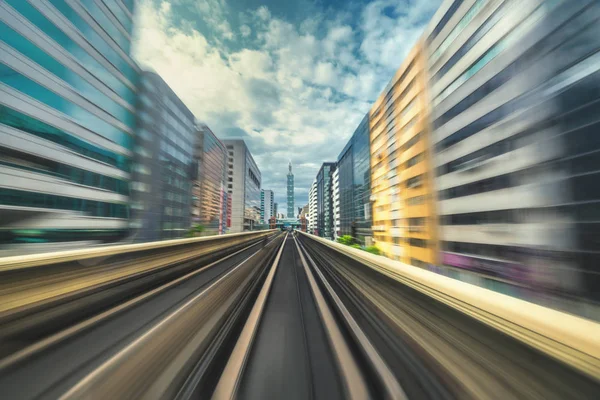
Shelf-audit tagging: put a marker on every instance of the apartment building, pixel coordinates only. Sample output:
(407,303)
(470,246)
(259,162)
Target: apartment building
(404,223)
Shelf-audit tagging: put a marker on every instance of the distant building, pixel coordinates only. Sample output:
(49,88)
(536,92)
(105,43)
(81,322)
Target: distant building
(275,206)
(209,195)
(67,122)
(290,192)
(243,185)
(161,188)
(266,205)
(304,211)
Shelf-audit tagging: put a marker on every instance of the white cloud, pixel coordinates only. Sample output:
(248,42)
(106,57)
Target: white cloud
(283,95)
(263,13)
(245,30)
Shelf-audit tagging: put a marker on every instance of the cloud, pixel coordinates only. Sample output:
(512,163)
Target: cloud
(245,30)
(294,90)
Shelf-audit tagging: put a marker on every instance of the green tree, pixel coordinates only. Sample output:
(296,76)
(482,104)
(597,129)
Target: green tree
(346,239)
(356,246)
(195,231)
(373,250)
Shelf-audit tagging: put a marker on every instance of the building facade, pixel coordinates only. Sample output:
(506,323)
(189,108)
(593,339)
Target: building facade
(404,223)
(354,165)
(290,192)
(515,88)
(324,186)
(67,119)
(243,186)
(266,205)
(336,203)
(161,187)
(209,197)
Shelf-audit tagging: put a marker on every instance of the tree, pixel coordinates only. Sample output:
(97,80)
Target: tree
(346,239)
(373,250)
(195,231)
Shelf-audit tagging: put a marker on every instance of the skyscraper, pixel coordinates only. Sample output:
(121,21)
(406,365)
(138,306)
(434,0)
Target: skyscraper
(67,118)
(290,193)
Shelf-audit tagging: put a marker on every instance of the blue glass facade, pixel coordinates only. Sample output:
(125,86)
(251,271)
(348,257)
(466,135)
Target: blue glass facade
(325,215)
(355,176)
(67,119)
(162,170)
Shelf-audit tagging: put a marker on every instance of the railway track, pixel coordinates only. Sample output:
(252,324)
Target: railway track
(284,319)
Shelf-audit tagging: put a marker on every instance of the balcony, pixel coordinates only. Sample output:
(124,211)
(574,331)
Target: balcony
(378,228)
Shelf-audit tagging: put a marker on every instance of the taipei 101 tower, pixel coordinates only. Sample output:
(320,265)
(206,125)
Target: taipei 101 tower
(290,193)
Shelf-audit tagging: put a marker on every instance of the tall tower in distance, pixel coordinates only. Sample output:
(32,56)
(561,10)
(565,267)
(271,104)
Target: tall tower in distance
(290,192)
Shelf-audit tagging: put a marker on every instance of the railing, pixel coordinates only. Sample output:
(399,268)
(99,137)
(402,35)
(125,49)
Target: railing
(41,280)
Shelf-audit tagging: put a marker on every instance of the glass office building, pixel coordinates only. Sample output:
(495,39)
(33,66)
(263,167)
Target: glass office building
(161,187)
(354,165)
(67,118)
(325,217)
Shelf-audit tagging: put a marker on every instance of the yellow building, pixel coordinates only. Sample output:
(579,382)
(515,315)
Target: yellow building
(404,222)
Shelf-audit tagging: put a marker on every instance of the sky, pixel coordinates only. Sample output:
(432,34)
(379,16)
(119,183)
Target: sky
(292,78)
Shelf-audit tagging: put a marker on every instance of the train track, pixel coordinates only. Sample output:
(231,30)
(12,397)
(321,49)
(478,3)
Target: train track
(288,319)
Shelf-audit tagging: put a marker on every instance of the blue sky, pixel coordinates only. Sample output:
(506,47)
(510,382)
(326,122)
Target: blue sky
(292,78)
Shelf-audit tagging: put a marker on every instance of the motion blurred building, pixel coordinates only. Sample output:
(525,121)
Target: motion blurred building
(354,166)
(290,192)
(243,186)
(161,186)
(336,203)
(266,205)
(209,197)
(515,89)
(67,118)
(324,199)
(401,178)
